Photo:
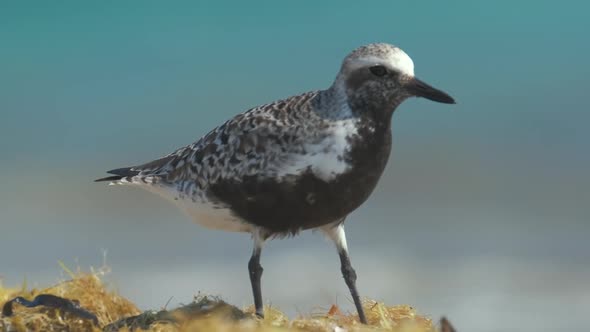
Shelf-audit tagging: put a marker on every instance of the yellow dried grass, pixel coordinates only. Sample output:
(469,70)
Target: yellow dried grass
(109,307)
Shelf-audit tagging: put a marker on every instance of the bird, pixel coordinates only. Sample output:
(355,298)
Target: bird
(301,163)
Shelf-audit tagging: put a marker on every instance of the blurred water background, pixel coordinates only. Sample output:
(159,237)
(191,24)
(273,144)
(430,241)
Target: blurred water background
(482,215)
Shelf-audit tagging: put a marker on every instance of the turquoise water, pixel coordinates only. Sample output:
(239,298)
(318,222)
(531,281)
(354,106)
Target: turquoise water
(483,210)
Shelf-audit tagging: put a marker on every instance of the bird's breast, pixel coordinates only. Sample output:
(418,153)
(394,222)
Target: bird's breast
(333,178)
(323,155)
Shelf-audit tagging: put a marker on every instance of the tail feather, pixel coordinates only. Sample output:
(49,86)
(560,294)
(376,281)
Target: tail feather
(119,173)
(109,178)
(128,174)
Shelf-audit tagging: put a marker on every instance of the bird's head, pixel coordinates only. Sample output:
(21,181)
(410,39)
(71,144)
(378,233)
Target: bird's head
(381,76)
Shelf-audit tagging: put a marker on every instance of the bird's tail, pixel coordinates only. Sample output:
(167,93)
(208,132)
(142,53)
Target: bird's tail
(121,175)
(148,173)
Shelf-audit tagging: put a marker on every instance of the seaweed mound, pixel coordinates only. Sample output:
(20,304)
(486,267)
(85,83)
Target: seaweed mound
(85,304)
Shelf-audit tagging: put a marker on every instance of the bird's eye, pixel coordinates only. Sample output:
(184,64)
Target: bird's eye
(378,70)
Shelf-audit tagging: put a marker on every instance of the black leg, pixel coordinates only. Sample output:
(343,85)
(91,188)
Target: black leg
(350,278)
(255,275)
(336,233)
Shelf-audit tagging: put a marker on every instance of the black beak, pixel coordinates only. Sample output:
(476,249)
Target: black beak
(420,89)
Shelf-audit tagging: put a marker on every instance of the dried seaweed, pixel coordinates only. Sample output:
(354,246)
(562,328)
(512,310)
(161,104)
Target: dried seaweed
(205,313)
(50,301)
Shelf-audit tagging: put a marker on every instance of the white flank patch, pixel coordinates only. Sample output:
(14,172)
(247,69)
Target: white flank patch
(208,215)
(201,211)
(325,158)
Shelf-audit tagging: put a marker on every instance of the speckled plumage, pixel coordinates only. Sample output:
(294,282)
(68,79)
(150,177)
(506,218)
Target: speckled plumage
(261,141)
(294,164)
(299,163)
(273,143)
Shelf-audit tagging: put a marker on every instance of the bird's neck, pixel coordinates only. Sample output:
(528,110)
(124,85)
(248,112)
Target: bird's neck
(335,104)
(332,104)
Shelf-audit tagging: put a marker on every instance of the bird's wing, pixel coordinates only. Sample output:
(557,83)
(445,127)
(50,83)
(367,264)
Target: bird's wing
(264,141)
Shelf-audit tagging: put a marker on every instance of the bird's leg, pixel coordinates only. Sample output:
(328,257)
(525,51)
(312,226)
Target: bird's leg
(337,235)
(350,278)
(255,270)
(255,275)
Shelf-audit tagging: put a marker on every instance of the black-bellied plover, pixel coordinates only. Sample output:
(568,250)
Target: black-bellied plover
(304,162)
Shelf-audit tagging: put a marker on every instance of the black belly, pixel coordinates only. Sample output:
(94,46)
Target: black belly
(307,201)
